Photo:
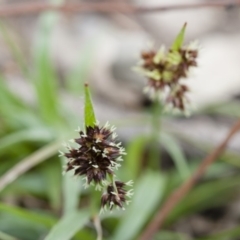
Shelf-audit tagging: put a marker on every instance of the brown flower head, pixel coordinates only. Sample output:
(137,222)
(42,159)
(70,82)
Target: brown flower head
(96,155)
(165,70)
(116,195)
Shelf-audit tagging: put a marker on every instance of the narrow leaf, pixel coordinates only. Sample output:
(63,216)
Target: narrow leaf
(71,190)
(90,119)
(68,226)
(176,153)
(148,194)
(45,77)
(33,217)
(38,135)
(179,39)
(135,151)
(53,185)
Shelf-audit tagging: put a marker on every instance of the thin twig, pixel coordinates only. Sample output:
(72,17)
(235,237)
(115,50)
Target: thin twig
(178,194)
(105,7)
(29,162)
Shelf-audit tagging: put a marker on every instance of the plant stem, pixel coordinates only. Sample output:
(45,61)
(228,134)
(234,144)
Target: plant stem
(98,226)
(94,208)
(156,127)
(113,183)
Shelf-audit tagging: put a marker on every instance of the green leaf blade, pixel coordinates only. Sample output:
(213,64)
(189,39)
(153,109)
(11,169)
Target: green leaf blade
(46,82)
(71,191)
(131,225)
(135,151)
(33,217)
(68,226)
(174,150)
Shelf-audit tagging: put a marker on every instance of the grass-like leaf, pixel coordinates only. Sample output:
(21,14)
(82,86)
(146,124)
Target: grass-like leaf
(68,226)
(71,190)
(45,79)
(176,153)
(53,184)
(38,135)
(33,217)
(134,155)
(148,193)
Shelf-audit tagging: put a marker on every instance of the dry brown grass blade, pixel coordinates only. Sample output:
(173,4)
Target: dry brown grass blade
(179,193)
(27,163)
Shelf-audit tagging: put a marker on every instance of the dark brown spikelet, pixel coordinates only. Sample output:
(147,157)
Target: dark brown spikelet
(97,154)
(165,70)
(116,196)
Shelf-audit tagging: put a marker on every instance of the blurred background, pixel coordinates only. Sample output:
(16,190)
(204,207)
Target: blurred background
(44,60)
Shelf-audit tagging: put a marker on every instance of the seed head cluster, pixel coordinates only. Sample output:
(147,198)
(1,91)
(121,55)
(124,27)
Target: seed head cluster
(165,70)
(110,198)
(96,157)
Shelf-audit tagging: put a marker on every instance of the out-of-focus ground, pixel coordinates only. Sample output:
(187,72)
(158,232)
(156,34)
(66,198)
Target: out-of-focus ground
(109,45)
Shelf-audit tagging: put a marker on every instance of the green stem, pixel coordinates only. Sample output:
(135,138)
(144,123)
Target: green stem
(113,183)
(98,226)
(156,127)
(94,208)
(94,203)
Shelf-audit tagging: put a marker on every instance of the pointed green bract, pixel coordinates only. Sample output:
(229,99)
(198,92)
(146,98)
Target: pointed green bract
(179,39)
(89,118)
